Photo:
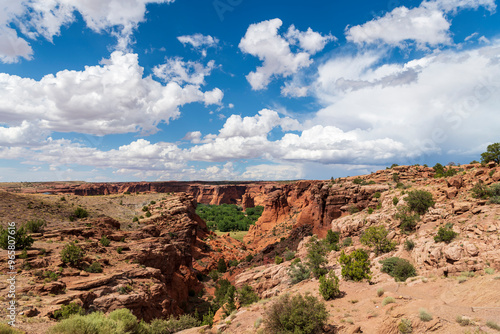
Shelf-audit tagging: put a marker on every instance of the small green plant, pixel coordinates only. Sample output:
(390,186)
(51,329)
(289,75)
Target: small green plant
(380,292)
(424,315)
(289,255)
(68,310)
(395,201)
(152,202)
(493,325)
(24,254)
(95,267)
(329,286)
(246,295)
(445,234)
(221,265)
(249,258)
(297,314)
(388,300)
(355,266)
(214,275)
(420,201)
(119,250)
(408,219)
(123,290)
(298,272)
(316,260)
(136,219)
(370,211)
(145,208)
(80,213)
(347,242)
(377,194)
(104,241)
(278,260)
(17,237)
(376,237)
(35,225)
(489,271)
(463,321)
(405,326)
(71,254)
(353,209)
(398,268)
(148,214)
(409,244)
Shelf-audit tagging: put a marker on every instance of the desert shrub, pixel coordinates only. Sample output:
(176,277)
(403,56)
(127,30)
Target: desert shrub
(463,321)
(6,329)
(20,236)
(377,194)
(355,266)
(489,271)
(136,219)
(221,265)
(172,325)
(398,268)
(493,325)
(232,263)
(297,314)
(347,242)
(405,326)
(408,220)
(148,214)
(249,258)
(214,275)
(316,259)
(48,276)
(104,241)
(329,286)
(145,208)
(380,292)
(370,211)
(247,296)
(480,190)
(224,293)
(152,202)
(289,255)
(357,180)
(388,300)
(353,209)
(395,177)
(445,234)
(95,267)
(409,244)
(68,310)
(35,225)
(80,213)
(119,250)
(332,238)
(395,201)
(420,201)
(278,259)
(424,315)
(298,272)
(376,237)
(71,254)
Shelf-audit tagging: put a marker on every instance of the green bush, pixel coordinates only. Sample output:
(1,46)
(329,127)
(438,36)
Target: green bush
(278,260)
(347,242)
(377,194)
(398,268)
(71,254)
(329,287)
(172,325)
(332,238)
(225,294)
(355,266)
(145,208)
(409,244)
(395,201)
(6,329)
(353,209)
(80,213)
(68,310)
(105,241)
(424,315)
(297,314)
(95,267)
(408,220)
(232,263)
(298,272)
(388,300)
(249,258)
(20,236)
(35,225)
(445,234)
(136,219)
(405,326)
(316,259)
(480,190)
(376,237)
(420,201)
(148,214)
(214,275)
(247,296)
(289,255)
(221,265)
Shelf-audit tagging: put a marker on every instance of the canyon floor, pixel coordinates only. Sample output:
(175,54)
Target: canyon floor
(158,265)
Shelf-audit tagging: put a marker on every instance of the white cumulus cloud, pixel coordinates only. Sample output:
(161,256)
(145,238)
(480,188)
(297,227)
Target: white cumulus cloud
(177,70)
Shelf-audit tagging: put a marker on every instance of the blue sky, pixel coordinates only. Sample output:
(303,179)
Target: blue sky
(130,90)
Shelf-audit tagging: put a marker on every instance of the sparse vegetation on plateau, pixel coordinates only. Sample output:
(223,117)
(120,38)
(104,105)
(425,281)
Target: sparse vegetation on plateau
(420,201)
(35,225)
(376,237)
(329,286)
(445,234)
(298,272)
(22,240)
(72,254)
